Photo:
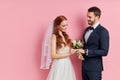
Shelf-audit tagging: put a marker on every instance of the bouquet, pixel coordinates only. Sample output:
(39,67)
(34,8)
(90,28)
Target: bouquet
(77,44)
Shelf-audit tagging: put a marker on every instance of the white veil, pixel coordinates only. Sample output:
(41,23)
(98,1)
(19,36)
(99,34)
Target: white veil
(46,48)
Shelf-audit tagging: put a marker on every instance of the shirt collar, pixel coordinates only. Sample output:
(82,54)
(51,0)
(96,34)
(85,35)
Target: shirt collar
(95,25)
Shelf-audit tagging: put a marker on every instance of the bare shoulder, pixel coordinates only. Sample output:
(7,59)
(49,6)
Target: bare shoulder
(53,37)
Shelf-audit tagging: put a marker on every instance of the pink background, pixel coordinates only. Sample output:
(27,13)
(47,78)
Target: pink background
(24,22)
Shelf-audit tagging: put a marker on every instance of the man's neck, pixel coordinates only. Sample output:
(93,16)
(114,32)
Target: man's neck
(95,24)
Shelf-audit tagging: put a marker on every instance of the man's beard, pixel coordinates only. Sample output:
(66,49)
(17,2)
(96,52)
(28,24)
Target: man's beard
(91,22)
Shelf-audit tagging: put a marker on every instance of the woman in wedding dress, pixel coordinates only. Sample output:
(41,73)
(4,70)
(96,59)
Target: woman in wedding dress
(61,68)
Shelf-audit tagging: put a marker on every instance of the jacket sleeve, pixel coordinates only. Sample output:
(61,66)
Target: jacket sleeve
(103,45)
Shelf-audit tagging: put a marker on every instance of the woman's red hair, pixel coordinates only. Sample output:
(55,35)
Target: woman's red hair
(56,28)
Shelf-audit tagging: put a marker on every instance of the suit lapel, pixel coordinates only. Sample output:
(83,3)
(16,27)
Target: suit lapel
(93,33)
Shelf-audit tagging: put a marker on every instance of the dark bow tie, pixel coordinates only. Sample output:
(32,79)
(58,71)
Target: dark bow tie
(91,28)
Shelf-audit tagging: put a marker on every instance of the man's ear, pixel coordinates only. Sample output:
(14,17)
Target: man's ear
(98,17)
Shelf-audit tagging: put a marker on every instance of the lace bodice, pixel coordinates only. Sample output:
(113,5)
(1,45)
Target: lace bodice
(63,50)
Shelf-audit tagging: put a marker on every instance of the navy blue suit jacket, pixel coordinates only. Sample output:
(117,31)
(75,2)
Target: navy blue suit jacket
(97,45)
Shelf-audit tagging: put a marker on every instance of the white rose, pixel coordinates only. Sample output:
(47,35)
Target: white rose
(74,42)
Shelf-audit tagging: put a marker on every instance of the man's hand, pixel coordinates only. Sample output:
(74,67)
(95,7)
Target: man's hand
(82,51)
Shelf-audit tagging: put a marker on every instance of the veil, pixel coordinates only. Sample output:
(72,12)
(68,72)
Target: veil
(46,48)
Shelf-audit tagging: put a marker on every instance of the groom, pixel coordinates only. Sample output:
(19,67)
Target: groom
(96,45)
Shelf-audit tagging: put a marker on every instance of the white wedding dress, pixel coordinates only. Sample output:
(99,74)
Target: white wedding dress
(62,68)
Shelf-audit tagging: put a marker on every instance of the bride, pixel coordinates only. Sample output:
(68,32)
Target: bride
(59,49)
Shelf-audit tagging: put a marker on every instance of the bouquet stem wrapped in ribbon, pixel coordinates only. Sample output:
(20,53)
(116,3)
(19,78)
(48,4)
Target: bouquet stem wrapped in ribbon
(77,44)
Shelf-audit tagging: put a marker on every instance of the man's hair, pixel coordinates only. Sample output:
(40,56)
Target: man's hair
(96,11)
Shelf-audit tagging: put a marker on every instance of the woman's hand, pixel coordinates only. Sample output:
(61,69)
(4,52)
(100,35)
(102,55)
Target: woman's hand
(73,51)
